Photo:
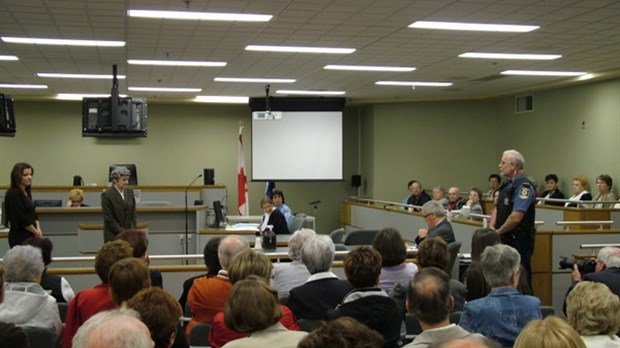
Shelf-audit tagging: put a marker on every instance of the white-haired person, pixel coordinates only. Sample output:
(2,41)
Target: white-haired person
(118,205)
(287,275)
(26,303)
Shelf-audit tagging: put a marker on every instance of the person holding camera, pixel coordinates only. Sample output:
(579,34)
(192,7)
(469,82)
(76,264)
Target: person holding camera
(606,271)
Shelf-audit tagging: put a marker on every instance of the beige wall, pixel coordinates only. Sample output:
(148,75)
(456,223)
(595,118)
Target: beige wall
(448,143)
(182,140)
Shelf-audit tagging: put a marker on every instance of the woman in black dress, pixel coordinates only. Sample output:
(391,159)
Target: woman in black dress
(22,218)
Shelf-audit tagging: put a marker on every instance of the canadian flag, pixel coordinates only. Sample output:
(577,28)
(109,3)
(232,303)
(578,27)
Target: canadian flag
(242,179)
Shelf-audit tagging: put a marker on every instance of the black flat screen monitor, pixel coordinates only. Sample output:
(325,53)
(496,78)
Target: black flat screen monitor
(133,179)
(48,203)
(219,214)
(128,119)
(7,116)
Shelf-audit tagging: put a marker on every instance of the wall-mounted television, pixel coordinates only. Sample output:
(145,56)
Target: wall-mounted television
(102,117)
(133,179)
(7,116)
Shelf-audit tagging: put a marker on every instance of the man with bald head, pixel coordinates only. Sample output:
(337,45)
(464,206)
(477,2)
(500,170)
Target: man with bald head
(455,202)
(429,299)
(208,294)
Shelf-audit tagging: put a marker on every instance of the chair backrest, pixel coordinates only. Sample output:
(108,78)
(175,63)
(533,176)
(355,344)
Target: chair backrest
(547,311)
(453,249)
(298,222)
(337,235)
(413,326)
(40,337)
(62,310)
(199,336)
(360,237)
(309,325)
(455,317)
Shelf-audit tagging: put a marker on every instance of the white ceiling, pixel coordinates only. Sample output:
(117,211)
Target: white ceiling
(585,32)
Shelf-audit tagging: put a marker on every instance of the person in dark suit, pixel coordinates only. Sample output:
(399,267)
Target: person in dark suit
(323,290)
(273,217)
(118,205)
(551,181)
(435,217)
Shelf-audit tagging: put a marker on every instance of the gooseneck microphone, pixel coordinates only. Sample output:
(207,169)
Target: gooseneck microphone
(186,214)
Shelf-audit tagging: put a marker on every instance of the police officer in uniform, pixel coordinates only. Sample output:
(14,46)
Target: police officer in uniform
(514,216)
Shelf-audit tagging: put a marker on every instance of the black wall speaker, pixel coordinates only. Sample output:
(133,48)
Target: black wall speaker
(356,180)
(209,176)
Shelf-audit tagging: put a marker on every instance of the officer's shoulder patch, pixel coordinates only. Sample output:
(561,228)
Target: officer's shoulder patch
(525,192)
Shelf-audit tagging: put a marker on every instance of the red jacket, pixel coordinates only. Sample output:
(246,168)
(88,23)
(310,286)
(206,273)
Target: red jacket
(83,306)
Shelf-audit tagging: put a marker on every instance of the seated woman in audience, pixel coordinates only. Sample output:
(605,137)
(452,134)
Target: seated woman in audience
(580,183)
(477,286)
(58,285)
(76,198)
(212,262)
(140,245)
(603,184)
(253,309)
(552,190)
(272,217)
(394,270)
(26,303)
(287,275)
(160,312)
(551,332)
(127,277)
(343,332)
(475,195)
(243,265)
(439,195)
(594,312)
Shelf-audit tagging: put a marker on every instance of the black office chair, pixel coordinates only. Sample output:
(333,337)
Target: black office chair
(62,310)
(413,326)
(453,249)
(40,337)
(547,311)
(360,237)
(337,235)
(199,336)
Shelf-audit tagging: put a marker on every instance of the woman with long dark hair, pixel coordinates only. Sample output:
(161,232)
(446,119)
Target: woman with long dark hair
(22,218)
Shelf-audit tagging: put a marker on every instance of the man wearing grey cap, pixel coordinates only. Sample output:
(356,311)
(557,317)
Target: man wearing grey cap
(118,205)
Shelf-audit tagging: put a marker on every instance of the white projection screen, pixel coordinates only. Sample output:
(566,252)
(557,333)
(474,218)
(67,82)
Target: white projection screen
(299,146)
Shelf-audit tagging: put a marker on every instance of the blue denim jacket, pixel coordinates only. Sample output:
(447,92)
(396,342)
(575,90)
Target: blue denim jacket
(501,315)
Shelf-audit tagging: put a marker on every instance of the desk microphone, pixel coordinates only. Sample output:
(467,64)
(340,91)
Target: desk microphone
(186,213)
(314,202)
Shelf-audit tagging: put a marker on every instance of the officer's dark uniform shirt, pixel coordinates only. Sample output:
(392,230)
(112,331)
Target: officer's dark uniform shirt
(518,194)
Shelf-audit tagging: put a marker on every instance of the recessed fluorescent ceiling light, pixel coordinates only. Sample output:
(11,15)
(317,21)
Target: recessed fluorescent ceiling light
(542,73)
(75,96)
(163,89)
(63,42)
(299,49)
(369,68)
(221,99)
(79,76)
(473,26)
(291,91)
(413,83)
(252,80)
(5,57)
(23,86)
(204,16)
(173,62)
(510,56)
